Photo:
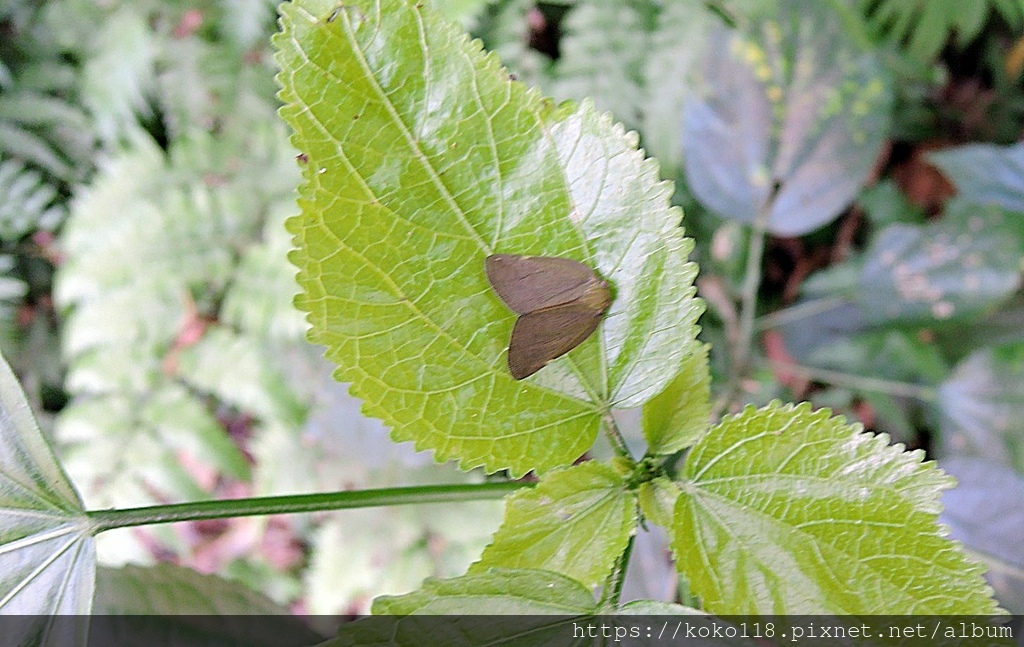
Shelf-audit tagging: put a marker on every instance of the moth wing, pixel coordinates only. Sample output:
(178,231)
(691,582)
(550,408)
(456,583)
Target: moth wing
(539,337)
(530,283)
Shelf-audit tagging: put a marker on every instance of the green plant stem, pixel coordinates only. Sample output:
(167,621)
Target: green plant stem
(611,429)
(748,299)
(797,312)
(613,585)
(290,504)
(860,382)
(744,335)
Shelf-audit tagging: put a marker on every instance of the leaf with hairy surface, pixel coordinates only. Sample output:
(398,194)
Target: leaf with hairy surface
(423,158)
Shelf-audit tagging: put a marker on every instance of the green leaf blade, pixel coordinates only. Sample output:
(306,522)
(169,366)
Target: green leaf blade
(47,557)
(576,522)
(423,159)
(675,418)
(498,591)
(788,511)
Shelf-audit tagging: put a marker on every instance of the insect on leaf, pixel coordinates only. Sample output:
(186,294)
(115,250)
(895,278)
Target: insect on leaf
(561,302)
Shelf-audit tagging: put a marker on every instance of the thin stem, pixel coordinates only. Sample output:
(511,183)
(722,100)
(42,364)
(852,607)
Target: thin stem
(860,382)
(109,519)
(741,343)
(748,298)
(798,312)
(613,585)
(611,429)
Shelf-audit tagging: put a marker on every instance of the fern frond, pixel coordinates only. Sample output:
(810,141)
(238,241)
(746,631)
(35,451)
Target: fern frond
(604,49)
(926,25)
(26,201)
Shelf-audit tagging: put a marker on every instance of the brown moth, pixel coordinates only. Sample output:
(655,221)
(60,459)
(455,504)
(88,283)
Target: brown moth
(559,301)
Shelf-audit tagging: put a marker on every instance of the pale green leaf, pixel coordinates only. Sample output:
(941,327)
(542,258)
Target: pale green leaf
(657,500)
(951,270)
(178,607)
(237,370)
(118,79)
(576,521)
(117,460)
(499,591)
(985,174)
(166,589)
(424,159)
(47,556)
(788,511)
(675,418)
(982,407)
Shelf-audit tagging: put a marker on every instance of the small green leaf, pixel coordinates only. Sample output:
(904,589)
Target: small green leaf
(576,522)
(675,418)
(952,270)
(795,100)
(788,511)
(423,158)
(499,591)
(658,500)
(47,556)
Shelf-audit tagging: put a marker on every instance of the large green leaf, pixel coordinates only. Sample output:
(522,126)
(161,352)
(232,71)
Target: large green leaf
(421,158)
(795,100)
(577,522)
(785,510)
(47,559)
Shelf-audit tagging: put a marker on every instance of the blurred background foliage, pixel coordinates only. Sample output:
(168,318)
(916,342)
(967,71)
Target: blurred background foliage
(145,294)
